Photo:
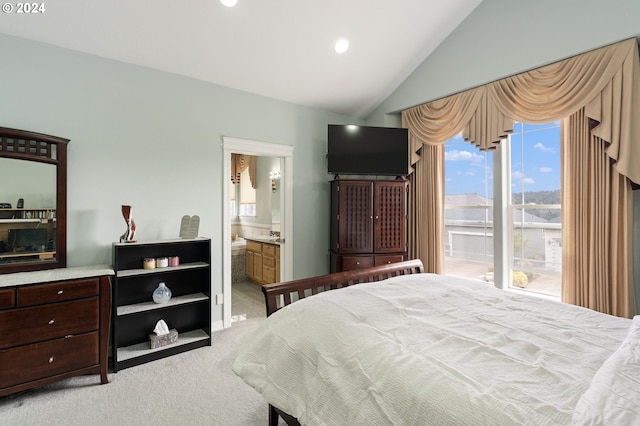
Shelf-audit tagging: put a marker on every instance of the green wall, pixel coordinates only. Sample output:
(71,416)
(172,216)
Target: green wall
(154,140)
(504,37)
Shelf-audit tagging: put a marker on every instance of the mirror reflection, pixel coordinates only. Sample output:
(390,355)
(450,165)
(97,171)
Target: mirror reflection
(27,211)
(275,193)
(255,192)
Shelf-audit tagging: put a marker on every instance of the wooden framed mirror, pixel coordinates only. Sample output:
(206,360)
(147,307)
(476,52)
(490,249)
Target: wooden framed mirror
(33,201)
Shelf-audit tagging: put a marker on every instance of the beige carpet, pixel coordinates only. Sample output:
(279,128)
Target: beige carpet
(194,388)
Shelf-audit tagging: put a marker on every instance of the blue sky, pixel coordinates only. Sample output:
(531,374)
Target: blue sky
(535,158)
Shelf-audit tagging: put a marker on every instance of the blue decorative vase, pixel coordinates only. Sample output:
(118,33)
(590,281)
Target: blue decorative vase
(162,294)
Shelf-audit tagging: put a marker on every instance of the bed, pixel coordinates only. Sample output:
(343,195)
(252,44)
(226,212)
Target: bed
(408,347)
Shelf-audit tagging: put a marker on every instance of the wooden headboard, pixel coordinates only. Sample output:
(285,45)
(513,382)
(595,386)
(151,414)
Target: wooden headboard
(279,295)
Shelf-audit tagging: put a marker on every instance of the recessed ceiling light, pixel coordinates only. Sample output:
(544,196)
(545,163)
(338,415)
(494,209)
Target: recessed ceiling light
(229,3)
(342,46)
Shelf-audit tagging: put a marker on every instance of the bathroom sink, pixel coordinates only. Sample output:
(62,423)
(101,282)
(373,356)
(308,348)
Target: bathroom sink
(267,238)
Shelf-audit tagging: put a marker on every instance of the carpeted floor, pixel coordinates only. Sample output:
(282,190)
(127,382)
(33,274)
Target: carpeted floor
(194,388)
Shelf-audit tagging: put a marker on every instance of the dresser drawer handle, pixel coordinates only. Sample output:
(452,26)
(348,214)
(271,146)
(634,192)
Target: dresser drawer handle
(60,291)
(51,359)
(51,321)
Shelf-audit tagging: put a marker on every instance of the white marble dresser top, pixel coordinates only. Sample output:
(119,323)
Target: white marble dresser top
(60,274)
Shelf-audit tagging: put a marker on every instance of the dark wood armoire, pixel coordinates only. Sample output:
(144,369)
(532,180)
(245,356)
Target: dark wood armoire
(368,223)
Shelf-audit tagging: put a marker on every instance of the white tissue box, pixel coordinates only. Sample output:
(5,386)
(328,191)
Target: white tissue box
(156,341)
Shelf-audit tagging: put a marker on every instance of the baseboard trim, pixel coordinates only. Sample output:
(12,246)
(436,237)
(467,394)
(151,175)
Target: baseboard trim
(217,325)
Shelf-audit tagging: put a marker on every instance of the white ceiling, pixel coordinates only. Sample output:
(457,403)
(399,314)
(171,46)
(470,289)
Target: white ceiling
(282,49)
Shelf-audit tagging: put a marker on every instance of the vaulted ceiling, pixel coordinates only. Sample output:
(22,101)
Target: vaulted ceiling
(282,49)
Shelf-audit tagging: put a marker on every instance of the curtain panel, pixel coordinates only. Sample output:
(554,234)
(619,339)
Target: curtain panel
(605,82)
(426,209)
(239,162)
(597,223)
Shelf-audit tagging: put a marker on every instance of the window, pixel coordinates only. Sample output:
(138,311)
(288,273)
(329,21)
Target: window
(536,232)
(233,190)
(468,213)
(528,174)
(243,196)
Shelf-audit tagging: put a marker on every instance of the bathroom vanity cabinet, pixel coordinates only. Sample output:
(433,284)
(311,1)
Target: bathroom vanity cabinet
(263,261)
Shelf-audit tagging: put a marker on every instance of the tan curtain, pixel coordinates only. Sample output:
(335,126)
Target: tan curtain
(605,81)
(596,236)
(427,209)
(430,125)
(239,162)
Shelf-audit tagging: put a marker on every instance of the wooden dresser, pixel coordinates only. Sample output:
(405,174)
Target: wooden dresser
(368,223)
(54,325)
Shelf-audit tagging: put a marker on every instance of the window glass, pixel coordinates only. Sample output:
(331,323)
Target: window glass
(247,195)
(535,208)
(468,214)
(533,223)
(233,189)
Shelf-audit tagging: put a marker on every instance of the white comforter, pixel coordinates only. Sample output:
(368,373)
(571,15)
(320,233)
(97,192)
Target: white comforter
(428,349)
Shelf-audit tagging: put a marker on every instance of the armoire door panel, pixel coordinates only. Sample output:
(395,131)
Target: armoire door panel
(390,217)
(356,217)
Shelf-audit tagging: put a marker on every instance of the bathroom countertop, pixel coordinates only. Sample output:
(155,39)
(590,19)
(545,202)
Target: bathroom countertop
(268,240)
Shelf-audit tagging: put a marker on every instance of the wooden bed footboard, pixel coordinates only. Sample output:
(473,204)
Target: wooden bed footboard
(279,295)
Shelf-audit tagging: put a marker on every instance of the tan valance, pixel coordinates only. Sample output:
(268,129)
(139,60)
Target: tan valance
(605,81)
(239,162)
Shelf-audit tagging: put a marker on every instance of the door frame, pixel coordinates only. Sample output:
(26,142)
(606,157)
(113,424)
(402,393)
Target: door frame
(231,145)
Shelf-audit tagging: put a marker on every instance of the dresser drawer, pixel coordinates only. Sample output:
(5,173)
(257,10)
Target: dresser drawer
(38,323)
(7,298)
(37,361)
(57,292)
(356,262)
(387,259)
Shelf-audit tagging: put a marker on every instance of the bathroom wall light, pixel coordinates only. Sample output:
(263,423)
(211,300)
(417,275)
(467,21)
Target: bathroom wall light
(229,3)
(274,177)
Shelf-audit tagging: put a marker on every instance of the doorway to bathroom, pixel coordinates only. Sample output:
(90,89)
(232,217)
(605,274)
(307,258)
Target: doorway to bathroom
(272,157)
(255,232)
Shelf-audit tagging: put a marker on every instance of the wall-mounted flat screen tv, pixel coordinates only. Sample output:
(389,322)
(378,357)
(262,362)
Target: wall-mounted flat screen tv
(367,150)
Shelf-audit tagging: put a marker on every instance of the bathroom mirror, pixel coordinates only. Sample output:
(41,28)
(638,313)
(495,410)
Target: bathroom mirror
(33,201)
(276,191)
(275,202)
